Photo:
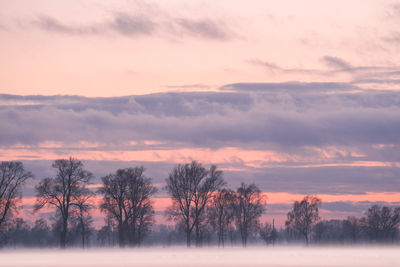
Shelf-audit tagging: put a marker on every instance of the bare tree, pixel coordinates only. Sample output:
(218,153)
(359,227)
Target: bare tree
(83,217)
(382,222)
(40,233)
(190,187)
(12,177)
(63,191)
(107,233)
(304,215)
(141,211)
(127,199)
(220,213)
(249,206)
(268,233)
(352,228)
(18,231)
(114,202)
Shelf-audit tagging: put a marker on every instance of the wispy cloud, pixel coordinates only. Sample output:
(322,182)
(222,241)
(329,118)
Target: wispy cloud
(365,76)
(3,28)
(205,28)
(273,67)
(393,38)
(134,25)
(53,25)
(336,63)
(131,25)
(195,86)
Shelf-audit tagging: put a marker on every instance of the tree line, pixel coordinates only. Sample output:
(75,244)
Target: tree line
(203,211)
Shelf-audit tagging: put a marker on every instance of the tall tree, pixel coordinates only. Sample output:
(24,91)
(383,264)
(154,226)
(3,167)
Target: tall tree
(140,206)
(382,222)
(268,233)
(352,228)
(127,200)
(249,206)
(304,215)
(12,177)
(40,233)
(220,213)
(64,191)
(83,218)
(190,187)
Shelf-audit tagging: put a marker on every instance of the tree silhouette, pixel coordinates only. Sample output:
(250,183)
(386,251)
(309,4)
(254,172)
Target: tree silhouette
(249,206)
(382,222)
(304,215)
(352,228)
(268,233)
(12,177)
(190,187)
(83,218)
(127,200)
(220,213)
(63,191)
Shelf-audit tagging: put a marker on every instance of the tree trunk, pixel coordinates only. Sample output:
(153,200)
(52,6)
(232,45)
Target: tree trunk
(121,235)
(63,237)
(188,238)
(83,238)
(198,241)
(222,238)
(306,236)
(187,233)
(83,231)
(244,237)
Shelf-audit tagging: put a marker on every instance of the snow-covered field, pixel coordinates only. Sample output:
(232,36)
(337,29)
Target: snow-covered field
(278,256)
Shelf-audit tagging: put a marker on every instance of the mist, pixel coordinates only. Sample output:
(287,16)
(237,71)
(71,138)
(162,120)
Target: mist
(255,256)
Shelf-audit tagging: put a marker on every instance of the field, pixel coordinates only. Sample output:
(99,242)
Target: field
(278,256)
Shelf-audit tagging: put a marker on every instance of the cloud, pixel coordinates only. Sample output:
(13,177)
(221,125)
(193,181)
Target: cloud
(205,28)
(323,137)
(393,11)
(189,86)
(320,180)
(134,25)
(393,38)
(376,75)
(281,114)
(357,207)
(366,77)
(272,67)
(378,81)
(52,25)
(336,63)
(303,88)
(130,25)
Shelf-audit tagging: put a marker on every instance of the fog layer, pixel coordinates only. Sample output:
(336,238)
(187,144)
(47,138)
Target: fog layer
(261,256)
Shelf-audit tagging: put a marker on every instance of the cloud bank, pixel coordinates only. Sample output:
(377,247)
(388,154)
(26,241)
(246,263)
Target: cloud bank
(287,137)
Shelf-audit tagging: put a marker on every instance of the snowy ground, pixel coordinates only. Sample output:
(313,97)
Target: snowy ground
(278,256)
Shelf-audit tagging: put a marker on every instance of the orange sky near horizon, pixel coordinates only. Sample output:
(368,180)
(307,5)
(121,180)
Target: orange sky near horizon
(162,203)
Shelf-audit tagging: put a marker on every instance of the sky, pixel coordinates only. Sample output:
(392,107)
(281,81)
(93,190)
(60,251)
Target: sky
(298,97)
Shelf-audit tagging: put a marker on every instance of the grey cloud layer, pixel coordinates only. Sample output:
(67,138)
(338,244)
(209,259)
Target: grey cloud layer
(319,180)
(282,115)
(292,118)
